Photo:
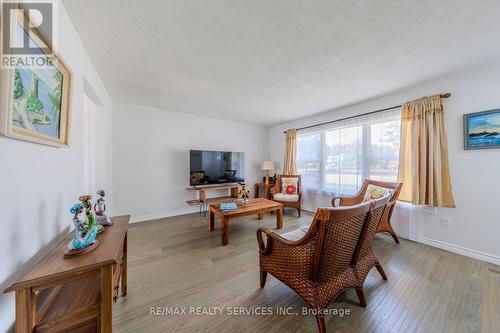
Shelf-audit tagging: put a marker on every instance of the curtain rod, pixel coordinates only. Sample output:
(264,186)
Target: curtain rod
(445,95)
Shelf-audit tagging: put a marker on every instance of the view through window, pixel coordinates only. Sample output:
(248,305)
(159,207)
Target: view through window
(335,158)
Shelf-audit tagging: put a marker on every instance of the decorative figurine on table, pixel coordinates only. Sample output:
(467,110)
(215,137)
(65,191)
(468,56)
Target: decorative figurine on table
(83,236)
(100,209)
(244,194)
(85,199)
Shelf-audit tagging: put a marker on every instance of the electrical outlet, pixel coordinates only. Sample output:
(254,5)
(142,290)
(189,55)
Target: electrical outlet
(445,222)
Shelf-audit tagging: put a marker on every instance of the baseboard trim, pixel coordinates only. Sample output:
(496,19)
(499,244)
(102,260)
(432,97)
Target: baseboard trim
(460,250)
(144,218)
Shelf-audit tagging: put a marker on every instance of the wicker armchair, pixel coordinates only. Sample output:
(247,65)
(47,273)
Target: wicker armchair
(385,222)
(364,258)
(277,196)
(319,262)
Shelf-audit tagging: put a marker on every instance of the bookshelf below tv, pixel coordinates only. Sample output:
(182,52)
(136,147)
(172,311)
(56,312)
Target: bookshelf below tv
(203,199)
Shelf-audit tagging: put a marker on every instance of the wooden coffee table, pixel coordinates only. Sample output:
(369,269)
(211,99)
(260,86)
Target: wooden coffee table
(257,206)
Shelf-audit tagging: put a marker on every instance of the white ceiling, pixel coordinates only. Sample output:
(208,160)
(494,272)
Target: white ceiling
(270,61)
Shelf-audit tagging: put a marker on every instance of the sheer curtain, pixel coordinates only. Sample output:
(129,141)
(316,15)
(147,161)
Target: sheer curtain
(335,158)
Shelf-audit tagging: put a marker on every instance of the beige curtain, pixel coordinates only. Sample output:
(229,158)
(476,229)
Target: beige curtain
(423,157)
(290,164)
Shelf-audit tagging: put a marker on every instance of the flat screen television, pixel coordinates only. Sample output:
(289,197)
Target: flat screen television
(216,167)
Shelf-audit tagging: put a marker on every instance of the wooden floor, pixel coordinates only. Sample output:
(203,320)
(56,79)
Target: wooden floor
(177,262)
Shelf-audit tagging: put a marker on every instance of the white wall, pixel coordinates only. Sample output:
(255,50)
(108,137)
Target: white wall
(475,223)
(151,156)
(40,183)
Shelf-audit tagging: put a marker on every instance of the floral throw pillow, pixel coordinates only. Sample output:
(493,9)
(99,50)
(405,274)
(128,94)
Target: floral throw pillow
(289,185)
(374,192)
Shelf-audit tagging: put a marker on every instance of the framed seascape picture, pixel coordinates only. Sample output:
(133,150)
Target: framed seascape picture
(35,100)
(482,130)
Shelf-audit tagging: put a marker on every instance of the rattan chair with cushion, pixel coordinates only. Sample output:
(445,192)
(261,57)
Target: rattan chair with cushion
(287,191)
(375,188)
(319,262)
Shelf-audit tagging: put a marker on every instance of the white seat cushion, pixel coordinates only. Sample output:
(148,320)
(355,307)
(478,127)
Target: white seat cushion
(286,197)
(296,234)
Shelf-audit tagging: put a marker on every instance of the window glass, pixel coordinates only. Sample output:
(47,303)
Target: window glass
(384,151)
(309,159)
(337,157)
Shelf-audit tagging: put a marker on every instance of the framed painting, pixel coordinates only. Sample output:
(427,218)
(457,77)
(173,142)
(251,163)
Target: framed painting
(482,130)
(36,100)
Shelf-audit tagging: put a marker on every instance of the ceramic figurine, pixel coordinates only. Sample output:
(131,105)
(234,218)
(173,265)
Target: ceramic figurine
(83,235)
(100,209)
(85,199)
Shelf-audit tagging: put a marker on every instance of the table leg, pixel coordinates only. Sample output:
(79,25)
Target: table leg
(225,231)
(211,220)
(25,310)
(124,268)
(260,216)
(106,316)
(279,218)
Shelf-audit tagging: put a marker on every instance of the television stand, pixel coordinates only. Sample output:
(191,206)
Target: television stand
(205,201)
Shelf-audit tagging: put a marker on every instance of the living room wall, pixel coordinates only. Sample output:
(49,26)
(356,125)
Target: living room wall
(40,183)
(151,157)
(475,174)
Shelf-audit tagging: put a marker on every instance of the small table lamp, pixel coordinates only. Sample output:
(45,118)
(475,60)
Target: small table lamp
(267,166)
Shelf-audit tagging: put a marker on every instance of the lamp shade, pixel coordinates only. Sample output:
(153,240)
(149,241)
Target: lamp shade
(267,165)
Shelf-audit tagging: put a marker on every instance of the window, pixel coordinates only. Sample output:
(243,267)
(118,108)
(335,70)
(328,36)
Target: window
(335,158)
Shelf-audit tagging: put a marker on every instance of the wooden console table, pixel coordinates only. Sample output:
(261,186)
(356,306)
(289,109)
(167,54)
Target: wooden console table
(75,294)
